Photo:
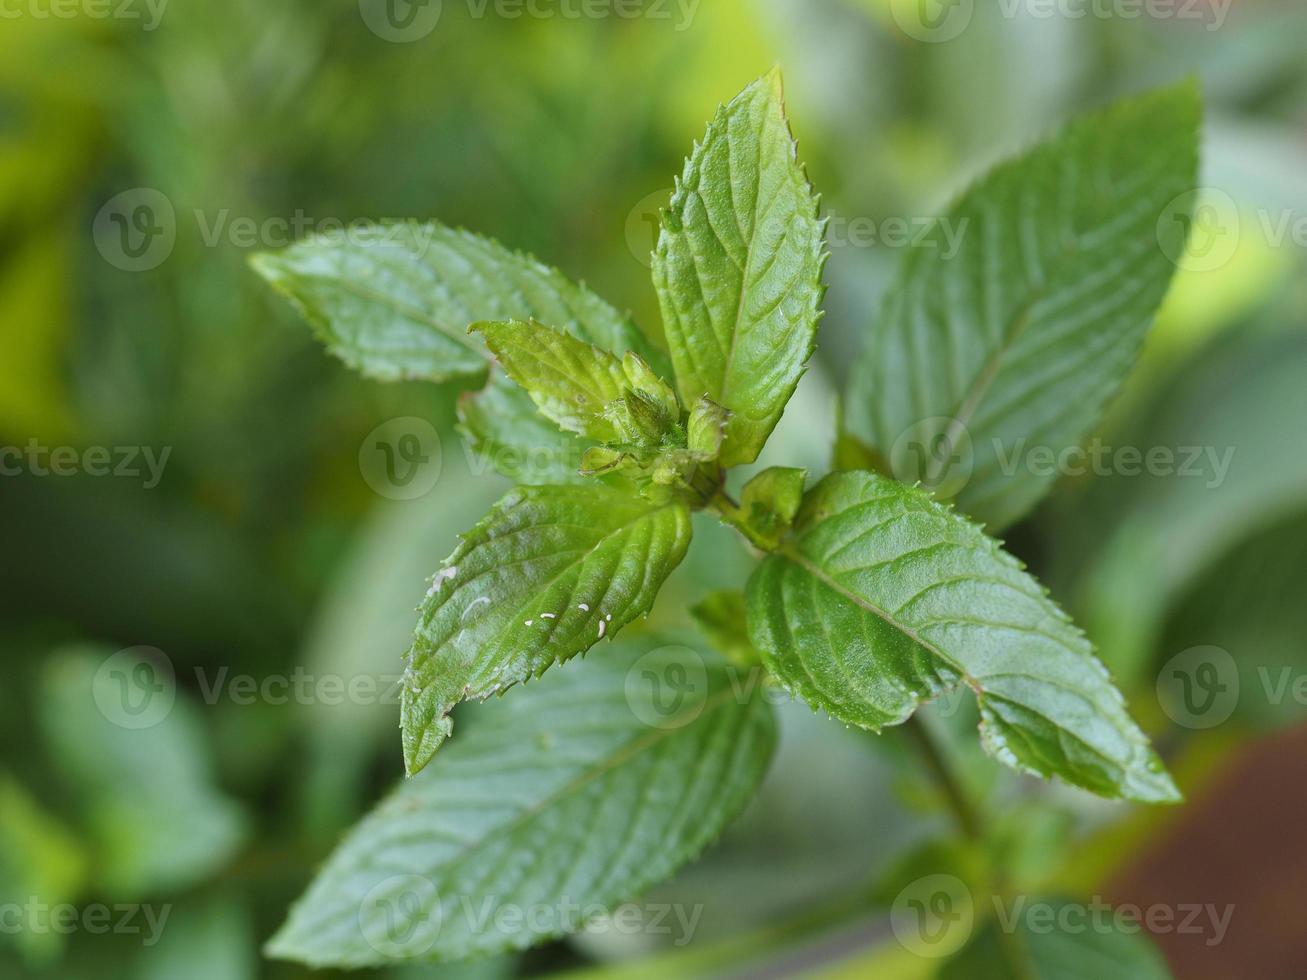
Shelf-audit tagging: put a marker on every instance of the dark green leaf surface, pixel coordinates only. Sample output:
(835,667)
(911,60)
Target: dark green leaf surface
(395,301)
(883,599)
(546,575)
(1018,340)
(583,790)
(738,268)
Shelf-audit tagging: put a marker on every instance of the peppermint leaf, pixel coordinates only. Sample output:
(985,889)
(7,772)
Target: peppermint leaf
(883,599)
(395,301)
(546,575)
(738,268)
(1014,321)
(576,384)
(577,794)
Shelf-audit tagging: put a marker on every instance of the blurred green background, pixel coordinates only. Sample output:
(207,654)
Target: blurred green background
(261,549)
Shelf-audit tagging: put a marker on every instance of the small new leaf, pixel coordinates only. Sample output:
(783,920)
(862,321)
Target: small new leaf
(706,429)
(575,383)
(768,504)
(738,268)
(882,599)
(546,575)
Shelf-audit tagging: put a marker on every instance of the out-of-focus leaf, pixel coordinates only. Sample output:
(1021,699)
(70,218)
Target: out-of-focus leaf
(39,859)
(209,939)
(1229,422)
(584,789)
(1085,951)
(132,751)
(1020,338)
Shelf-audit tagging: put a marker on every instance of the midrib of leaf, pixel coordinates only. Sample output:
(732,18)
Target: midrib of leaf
(594,772)
(745,273)
(861,601)
(970,402)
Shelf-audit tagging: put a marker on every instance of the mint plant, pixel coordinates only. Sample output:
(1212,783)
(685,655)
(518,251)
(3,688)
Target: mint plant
(877,587)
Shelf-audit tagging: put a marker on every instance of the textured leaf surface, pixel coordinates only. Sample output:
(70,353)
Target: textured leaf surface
(395,301)
(883,598)
(1018,339)
(582,791)
(546,575)
(571,381)
(738,268)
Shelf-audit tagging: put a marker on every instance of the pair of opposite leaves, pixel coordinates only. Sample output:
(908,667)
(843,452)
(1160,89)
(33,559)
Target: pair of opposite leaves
(879,597)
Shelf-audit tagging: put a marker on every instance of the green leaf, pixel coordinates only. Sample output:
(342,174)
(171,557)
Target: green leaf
(577,385)
(506,433)
(768,504)
(738,268)
(1018,340)
(706,429)
(546,575)
(134,755)
(1089,950)
(395,301)
(580,792)
(883,599)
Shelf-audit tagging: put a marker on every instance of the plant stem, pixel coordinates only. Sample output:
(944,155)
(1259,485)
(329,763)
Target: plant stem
(964,812)
(972,827)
